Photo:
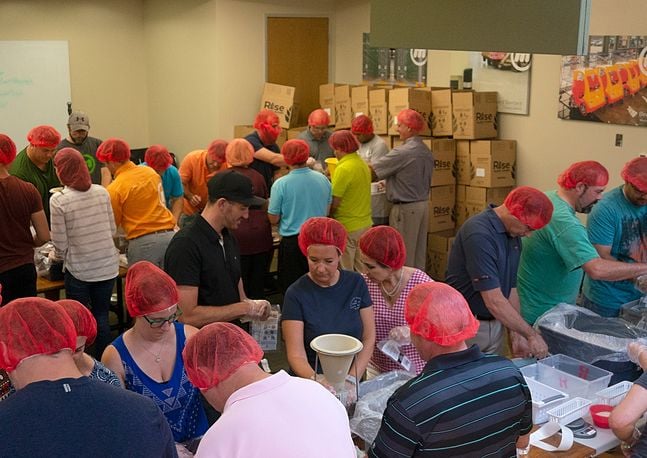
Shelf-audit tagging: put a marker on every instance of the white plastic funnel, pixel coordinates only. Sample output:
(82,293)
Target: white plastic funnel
(336,353)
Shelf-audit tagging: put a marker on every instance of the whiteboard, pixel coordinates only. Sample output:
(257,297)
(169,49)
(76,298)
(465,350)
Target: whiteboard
(34,87)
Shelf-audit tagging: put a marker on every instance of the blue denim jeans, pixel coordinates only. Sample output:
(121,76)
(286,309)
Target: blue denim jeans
(96,296)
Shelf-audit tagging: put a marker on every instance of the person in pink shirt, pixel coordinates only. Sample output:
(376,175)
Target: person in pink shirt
(262,414)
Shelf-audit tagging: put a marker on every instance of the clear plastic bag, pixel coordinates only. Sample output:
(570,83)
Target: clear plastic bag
(266,333)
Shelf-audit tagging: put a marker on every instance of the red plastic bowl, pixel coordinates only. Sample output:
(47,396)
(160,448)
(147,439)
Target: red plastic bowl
(600,414)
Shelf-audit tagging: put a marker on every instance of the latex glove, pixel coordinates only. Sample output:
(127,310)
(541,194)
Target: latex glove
(381,186)
(349,396)
(537,346)
(311,162)
(641,283)
(52,256)
(634,349)
(319,378)
(258,309)
(400,334)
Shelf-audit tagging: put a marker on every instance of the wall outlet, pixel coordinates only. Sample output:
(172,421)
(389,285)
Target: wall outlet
(618,140)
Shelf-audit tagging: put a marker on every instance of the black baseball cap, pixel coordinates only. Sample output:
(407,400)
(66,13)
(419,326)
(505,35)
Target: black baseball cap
(233,186)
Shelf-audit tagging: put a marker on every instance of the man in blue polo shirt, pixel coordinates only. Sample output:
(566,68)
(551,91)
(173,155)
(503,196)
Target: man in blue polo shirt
(465,402)
(483,266)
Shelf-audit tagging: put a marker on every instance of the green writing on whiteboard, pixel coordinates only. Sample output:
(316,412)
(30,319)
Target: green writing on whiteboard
(12,87)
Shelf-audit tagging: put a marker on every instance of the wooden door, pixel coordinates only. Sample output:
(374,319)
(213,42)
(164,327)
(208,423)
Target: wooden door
(297,55)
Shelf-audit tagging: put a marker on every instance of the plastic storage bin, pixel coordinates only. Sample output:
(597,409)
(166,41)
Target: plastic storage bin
(572,376)
(612,395)
(544,398)
(569,411)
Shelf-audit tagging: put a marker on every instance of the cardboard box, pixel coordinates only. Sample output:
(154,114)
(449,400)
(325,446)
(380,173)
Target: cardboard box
(327,99)
(294,132)
(415,99)
(444,152)
(493,163)
(343,109)
(441,112)
(387,140)
(359,101)
(474,114)
(243,131)
(460,209)
(463,162)
(280,99)
(378,110)
(477,199)
(439,246)
(441,208)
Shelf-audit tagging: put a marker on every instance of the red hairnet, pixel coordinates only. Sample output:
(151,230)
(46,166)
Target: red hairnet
(84,322)
(412,119)
(149,289)
(215,352)
(437,312)
(295,152)
(33,326)
(72,169)
(44,137)
(385,245)
(591,173)
(635,173)
(113,150)
(158,157)
(322,231)
(362,125)
(239,152)
(7,150)
(530,206)
(216,151)
(318,117)
(263,124)
(343,140)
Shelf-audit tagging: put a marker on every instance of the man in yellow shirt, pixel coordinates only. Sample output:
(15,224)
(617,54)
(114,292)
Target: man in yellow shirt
(138,204)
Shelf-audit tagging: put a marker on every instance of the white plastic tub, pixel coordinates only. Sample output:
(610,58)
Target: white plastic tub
(540,393)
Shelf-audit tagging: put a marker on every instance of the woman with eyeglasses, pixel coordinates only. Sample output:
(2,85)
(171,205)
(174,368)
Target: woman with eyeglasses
(148,357)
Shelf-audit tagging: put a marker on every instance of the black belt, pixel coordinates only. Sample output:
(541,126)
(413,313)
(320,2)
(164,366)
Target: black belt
(484,318)
(397,202)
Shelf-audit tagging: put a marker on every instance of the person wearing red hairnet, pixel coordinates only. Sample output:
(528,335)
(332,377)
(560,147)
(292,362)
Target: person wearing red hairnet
(483,264)
(78,128)
(480,403)
(196,170)
(138,204)
(267,154)
(295,197)
(556,257)
(57,411)
(147,358)
(20,207)
(389,282)
(617,228)
(326,300)
(317,135)
(407,170)
(159,159)
(351,195)
(83,226)
(34,163)
(306,420)
(372,148)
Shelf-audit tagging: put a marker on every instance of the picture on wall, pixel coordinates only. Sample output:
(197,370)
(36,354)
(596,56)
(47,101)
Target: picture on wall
(609,84)
(402,67)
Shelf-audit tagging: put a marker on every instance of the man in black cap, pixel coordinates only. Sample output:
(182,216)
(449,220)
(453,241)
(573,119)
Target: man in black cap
(78,128)
(204,260)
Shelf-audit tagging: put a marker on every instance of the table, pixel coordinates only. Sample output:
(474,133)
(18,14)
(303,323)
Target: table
(44,286)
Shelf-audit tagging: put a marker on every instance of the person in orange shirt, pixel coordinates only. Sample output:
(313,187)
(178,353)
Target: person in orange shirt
(138,204)
(196,169)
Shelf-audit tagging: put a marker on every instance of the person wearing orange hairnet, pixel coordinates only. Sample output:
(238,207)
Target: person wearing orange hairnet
(483,263)
(617,228)
(317,135)
(555,258)
(267,154)
(20,207)
(480,403)
(34,163)
(159,159)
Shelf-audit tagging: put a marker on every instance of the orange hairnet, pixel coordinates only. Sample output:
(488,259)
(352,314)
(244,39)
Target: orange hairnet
(412,119)
(343,140)
(322,231)
(215,352)
(591,173)
(530,206)
(33,326)
(263,124)
(635,173)
(239,153)
(113,150)
(149,289)
(7,150)
(295,152)
(437,312)
(385,245)
(216,151)
(72,169)
(319,117)
(362,125)
(84,322)
(44,137)
(158,158)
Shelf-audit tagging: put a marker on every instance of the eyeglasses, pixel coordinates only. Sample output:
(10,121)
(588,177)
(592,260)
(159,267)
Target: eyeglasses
(159,322)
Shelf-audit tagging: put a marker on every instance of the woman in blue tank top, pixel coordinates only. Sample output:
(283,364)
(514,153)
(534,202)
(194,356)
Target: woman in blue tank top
(148,357)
